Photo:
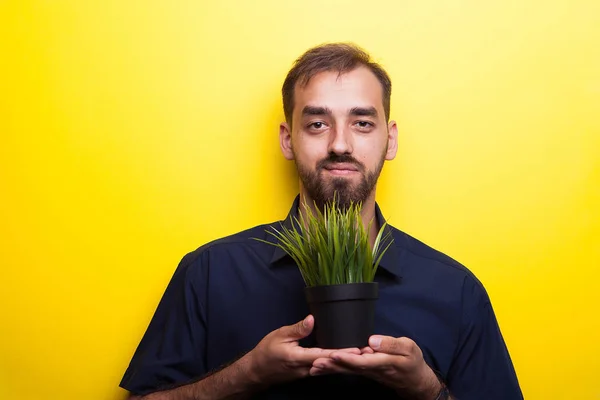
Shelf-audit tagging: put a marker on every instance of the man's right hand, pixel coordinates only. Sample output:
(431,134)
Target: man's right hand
(279,358)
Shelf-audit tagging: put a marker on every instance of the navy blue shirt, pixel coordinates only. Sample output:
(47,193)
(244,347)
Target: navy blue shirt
(227,295)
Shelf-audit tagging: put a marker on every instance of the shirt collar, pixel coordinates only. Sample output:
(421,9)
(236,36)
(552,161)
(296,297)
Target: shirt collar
(390,261)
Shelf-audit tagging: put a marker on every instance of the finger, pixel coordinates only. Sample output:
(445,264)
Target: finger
(351,350)
(307,356)
(362,362)
(326,363)
(348,360)
(327,366)
(299,330)
(322,362)
(366,350)
(402,346)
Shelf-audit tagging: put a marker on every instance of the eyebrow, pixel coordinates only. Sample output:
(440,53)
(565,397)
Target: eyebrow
(356,111)
(364,111)
(313,110)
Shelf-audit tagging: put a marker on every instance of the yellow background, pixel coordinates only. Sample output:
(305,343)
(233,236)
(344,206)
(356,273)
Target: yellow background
(133,132)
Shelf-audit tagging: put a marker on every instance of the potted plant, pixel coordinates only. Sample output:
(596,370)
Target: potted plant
(333,253)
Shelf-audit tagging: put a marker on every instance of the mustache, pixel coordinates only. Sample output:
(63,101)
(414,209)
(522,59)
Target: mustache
(336,159)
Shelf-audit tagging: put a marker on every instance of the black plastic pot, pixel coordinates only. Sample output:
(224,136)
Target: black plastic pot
(344,314)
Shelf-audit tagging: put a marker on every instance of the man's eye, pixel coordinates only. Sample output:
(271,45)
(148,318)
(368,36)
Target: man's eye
(364,124)
(316,125)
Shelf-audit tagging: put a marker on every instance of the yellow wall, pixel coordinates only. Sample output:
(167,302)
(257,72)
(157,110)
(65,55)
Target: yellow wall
(134,131)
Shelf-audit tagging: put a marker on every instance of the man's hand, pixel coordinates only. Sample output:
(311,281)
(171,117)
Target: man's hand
(395,362)
(276,358)
(279,358)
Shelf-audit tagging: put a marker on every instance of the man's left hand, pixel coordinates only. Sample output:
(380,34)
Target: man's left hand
(394,362)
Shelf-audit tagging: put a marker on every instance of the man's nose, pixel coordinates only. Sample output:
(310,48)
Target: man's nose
(340,141)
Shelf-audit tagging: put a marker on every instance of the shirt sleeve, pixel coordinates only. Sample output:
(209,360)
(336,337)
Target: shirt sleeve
(482,368)
(172,351)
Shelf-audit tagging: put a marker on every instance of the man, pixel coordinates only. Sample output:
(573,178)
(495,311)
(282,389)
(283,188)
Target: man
(227,326)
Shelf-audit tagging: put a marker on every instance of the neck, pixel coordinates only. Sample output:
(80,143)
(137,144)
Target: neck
(367,212)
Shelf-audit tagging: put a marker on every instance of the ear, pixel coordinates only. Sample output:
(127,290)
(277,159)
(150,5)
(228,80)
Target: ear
(285,141)
(392,141)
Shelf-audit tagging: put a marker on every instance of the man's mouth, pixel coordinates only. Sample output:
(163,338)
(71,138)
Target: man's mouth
(341,168)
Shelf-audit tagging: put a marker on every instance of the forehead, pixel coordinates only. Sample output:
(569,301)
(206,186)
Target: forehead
(340,92)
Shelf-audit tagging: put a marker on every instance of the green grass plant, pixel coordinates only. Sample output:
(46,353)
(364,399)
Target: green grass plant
(331,247)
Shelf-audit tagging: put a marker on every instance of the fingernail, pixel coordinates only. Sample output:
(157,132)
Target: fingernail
(305,322)
(375,342)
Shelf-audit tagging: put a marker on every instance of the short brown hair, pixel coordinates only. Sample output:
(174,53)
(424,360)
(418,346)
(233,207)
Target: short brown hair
(340,57)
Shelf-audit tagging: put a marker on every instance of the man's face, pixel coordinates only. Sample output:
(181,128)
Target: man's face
(340,137)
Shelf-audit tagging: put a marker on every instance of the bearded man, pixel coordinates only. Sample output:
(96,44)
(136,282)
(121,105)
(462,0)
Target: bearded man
(227,326)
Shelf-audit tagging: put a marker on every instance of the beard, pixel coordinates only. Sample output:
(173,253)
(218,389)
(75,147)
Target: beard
(345,190)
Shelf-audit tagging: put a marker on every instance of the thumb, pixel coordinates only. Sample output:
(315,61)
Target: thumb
(401,346)
(299,330)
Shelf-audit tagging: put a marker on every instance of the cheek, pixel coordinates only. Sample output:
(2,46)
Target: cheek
(365,151)
(308,154)
(306,160)
(371,157)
